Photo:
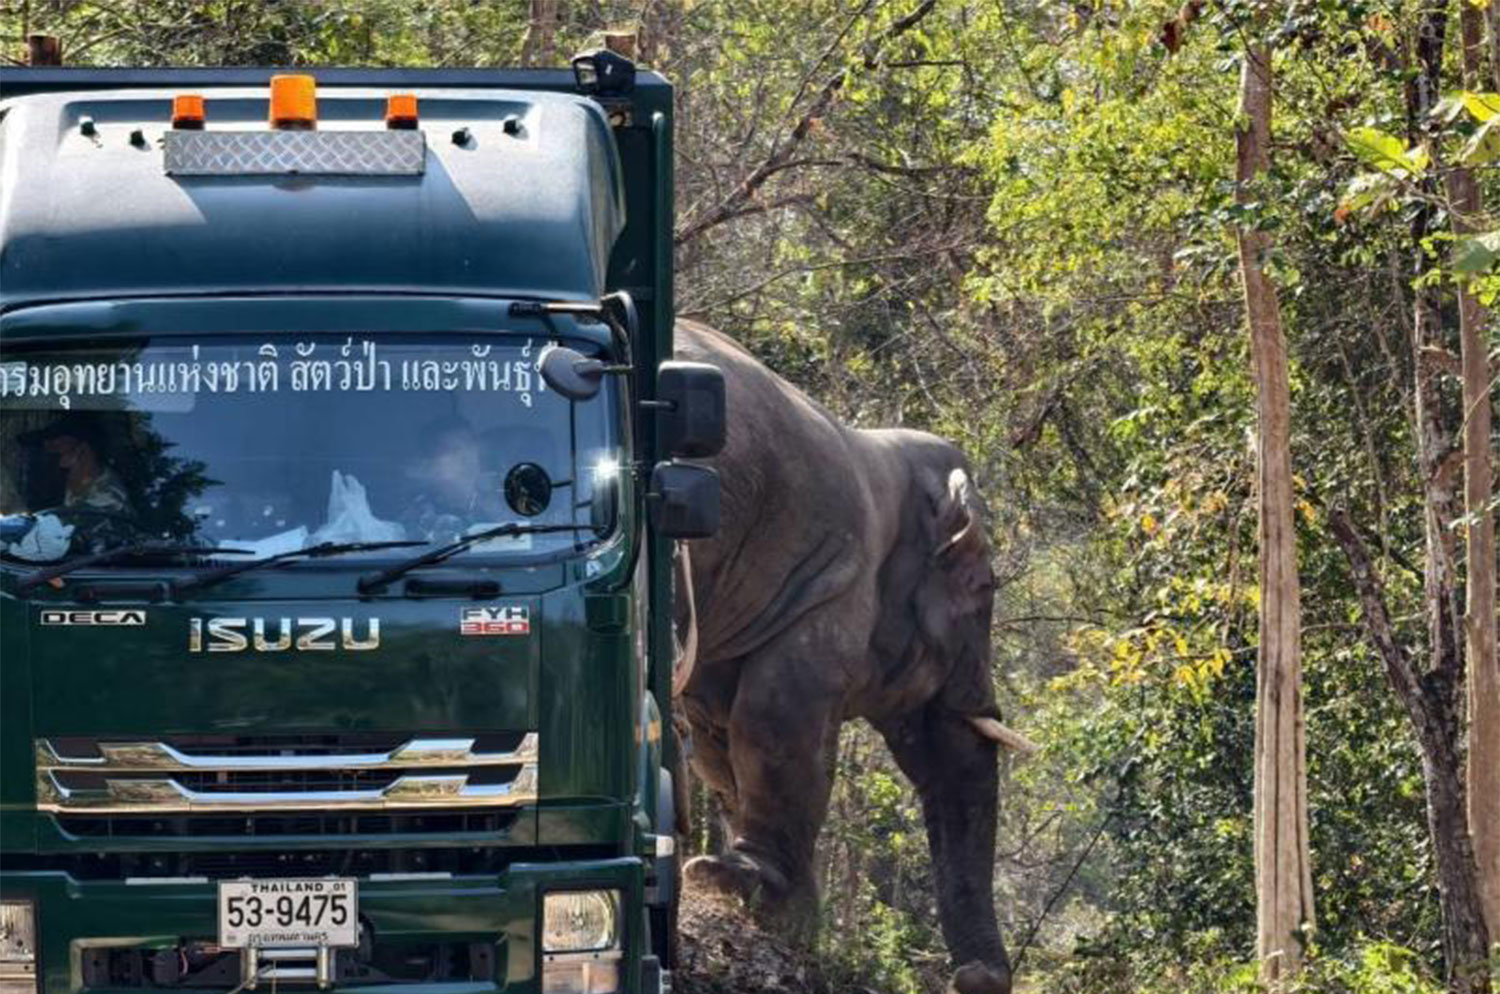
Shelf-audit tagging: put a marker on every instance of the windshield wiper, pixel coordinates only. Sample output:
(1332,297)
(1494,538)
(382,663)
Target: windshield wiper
(142,551)
(213,576)
(374,581)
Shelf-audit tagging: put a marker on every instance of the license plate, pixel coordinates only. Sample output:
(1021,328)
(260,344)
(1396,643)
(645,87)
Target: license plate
(266,913)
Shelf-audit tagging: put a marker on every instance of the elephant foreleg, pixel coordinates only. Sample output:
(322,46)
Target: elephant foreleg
(779,737)
(954,770)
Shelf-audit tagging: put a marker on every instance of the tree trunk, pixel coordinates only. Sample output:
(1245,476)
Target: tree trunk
(1283,863)
(1431,693)
(1479,619)
(1492,15)
(1431,702)
(1479,607)
(44,50)
(539,48)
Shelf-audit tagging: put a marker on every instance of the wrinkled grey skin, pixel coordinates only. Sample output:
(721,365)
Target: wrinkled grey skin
(851,578)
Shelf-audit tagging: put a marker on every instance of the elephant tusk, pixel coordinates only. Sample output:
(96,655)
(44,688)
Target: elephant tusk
(687,652)
(996,732)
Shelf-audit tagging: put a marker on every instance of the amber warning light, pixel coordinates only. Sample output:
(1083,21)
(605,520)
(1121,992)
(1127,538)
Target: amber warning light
(187,112)
(294,103)
(401,112)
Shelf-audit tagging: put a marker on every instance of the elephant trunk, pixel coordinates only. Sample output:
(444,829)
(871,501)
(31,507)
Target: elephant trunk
(960,797)
(954,767)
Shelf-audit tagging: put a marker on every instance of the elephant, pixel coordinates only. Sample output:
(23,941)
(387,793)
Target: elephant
(850,578)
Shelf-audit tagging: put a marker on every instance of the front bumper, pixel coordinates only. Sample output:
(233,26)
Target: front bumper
(75,916)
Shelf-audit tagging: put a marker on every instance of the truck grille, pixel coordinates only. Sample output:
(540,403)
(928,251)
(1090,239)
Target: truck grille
(492,823)
(204,966)
(226,774)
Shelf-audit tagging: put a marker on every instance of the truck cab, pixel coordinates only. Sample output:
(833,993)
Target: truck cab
(338,487)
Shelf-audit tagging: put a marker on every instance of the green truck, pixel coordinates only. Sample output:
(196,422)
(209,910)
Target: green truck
(341,462)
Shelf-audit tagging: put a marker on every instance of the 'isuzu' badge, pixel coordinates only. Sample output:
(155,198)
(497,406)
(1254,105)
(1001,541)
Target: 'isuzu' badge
(281,634)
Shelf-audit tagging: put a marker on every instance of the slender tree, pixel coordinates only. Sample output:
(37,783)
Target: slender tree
(1430,702)
(1283,863)
(1483,779)
(1433,694)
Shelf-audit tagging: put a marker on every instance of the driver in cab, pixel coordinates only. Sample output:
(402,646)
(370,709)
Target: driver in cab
(454,486)
(78,488)
(89,483)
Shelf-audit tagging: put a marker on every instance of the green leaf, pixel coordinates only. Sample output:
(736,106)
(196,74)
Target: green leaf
(1476,255)
(1386,152)
(1376,147)
(1483,106)
(1448,108)
(1483,147)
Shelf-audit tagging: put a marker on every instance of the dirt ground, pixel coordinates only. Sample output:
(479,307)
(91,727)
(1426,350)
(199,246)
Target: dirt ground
(723,952)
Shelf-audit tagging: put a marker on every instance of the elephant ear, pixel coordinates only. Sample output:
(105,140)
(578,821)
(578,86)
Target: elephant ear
(962,550)
(956,596)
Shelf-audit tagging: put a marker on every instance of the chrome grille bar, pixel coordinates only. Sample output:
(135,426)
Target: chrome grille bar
(146,757)
(170,797)
(136,778)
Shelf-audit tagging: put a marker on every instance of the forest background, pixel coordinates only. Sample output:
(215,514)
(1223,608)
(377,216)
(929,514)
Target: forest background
(1011,222)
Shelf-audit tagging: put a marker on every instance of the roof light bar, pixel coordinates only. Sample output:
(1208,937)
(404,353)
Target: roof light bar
(401,111)
(187,112)
(294,103)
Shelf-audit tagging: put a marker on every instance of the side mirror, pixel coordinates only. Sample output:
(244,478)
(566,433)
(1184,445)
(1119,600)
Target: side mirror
(570,372)
(603,71)
(690,414)
(684,500)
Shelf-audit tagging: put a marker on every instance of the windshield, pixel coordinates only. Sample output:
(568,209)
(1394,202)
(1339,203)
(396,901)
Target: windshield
(279,443)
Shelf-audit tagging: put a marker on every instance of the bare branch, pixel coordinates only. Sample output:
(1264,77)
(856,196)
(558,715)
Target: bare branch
(783,152)
(1399,667)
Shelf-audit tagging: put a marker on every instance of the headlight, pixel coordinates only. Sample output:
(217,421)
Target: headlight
(580,921)
(17,947)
